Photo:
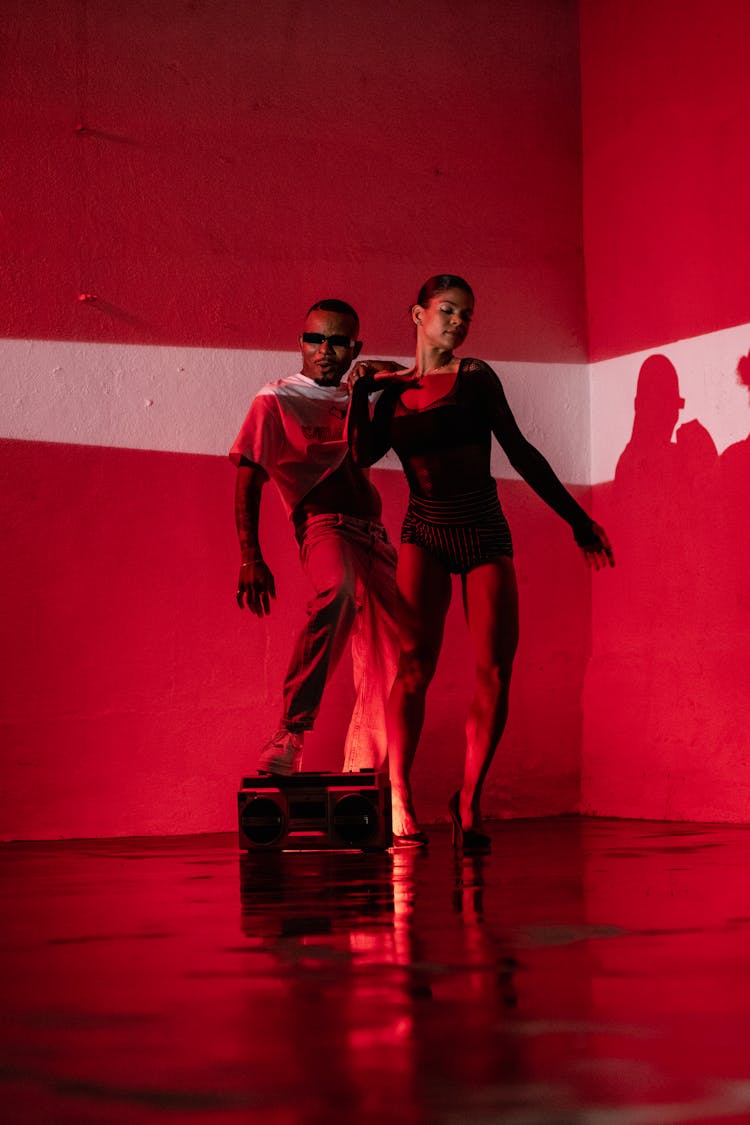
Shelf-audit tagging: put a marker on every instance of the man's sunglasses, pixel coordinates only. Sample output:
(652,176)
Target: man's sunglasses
(334,341)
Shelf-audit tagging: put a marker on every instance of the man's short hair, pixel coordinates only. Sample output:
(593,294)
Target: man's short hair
(332,304)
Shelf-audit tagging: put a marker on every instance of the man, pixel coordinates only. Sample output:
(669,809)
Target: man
(295,435)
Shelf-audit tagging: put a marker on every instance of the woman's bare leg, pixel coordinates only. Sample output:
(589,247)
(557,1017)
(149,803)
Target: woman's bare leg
(491,607)
(424,594)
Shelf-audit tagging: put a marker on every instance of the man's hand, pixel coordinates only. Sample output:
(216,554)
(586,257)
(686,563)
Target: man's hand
(256,587)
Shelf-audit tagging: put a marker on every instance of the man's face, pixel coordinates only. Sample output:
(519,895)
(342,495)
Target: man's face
(327,360)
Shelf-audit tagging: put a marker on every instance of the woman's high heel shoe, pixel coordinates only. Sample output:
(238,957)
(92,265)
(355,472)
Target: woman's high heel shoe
(466,838)
(410,840)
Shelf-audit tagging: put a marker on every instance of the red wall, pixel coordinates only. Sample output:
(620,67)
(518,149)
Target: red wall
(666,104)
(137,694)
(203,173)
(238,161)
(241,159)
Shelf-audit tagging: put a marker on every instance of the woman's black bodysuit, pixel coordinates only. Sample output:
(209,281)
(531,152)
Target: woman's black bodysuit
(454,512)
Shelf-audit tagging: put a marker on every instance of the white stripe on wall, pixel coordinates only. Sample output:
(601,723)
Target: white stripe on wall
(193,400)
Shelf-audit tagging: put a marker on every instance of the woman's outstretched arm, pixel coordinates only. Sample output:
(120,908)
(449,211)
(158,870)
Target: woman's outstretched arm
(536,470)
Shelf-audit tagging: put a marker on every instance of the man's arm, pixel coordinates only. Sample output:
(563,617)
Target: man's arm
(255,585)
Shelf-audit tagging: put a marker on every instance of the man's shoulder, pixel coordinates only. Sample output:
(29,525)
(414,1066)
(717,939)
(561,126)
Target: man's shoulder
(293,388)
(273,396)
(300,395)
(279,387)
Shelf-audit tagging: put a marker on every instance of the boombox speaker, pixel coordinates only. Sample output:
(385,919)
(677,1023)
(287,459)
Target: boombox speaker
(310,811)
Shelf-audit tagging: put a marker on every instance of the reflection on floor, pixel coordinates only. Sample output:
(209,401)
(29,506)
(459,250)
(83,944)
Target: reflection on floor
(584,971)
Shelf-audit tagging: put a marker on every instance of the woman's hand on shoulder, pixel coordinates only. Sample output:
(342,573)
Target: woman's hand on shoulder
(377,374)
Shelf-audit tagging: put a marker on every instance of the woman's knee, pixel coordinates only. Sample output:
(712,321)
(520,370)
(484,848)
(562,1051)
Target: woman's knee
(493,680)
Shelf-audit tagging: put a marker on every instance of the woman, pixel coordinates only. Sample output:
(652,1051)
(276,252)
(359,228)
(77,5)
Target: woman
(439,417)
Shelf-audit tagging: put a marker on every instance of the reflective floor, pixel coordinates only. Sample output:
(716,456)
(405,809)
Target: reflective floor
(585,971)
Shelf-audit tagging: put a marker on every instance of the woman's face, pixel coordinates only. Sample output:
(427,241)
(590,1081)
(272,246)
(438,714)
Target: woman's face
(445,320)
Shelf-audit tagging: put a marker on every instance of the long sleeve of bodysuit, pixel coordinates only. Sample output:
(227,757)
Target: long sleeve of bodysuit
(525,458)
(368,429)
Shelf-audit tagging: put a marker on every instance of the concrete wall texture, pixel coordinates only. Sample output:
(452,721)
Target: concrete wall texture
(667,242)
(183,181)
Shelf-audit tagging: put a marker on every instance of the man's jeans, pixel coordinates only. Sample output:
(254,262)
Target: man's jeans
(352,568)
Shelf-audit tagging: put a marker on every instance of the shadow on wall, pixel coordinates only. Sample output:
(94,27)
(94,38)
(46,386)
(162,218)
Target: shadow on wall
(666,694)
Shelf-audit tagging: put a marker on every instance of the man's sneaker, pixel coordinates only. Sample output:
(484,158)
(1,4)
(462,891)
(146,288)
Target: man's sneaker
(282,755)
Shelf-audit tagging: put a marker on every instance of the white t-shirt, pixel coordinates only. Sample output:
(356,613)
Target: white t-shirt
(295,431)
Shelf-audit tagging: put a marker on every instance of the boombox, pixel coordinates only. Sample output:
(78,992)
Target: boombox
(315,811)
